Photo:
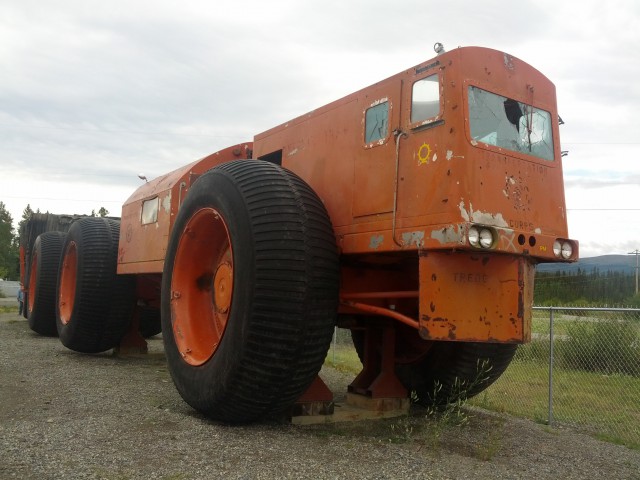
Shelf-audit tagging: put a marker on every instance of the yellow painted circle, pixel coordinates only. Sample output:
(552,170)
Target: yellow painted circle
(424,153)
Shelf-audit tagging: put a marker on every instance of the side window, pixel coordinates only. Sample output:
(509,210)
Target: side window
(150,211)
(376,122)
(425,99)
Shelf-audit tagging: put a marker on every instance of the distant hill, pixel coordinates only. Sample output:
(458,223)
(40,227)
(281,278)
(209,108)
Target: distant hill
(615,263)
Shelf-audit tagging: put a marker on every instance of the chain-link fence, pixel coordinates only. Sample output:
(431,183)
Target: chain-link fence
(582,368)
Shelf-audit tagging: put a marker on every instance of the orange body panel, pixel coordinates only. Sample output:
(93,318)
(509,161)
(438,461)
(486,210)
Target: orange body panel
(142,247)
(443,178)
(405,176)
(475,297)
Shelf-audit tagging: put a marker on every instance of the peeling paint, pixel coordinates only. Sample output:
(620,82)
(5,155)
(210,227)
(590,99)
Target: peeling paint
(478,216)
(413,238)
(435,157)
(292,152)
(450,155)
(538,231)
(447,235)
(508,62)
(376,241)
(166,203)
(378,102)
(463,211)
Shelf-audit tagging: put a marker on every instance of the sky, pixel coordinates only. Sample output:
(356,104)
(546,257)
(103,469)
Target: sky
(93,93)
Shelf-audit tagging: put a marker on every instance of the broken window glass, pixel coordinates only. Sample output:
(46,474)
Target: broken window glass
(425,99)
(150,211)
(376,122)
(507,123)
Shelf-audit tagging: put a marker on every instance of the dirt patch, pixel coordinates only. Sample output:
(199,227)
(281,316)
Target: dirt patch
(69,415)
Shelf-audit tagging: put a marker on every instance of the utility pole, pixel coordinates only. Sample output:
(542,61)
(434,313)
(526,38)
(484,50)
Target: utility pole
(636,252)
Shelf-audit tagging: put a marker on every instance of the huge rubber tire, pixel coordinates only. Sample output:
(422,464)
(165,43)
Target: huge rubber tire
(249,291)
(150,323)
(445,372)
(43,278)
(452,371)
(94,304)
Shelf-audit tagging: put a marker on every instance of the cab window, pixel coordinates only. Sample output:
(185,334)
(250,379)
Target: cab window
(150,211)
(506,123)
(425,99)
(376,122)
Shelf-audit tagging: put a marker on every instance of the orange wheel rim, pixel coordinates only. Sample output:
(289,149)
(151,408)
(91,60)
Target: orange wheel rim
(33,280)
(68,283)
(201,286)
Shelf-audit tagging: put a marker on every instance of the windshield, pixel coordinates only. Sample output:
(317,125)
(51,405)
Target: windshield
(507,123)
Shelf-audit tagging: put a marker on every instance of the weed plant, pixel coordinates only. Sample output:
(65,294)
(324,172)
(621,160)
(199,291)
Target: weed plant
(602,346)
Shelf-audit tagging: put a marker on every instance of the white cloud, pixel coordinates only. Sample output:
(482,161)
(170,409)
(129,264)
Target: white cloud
(94,92)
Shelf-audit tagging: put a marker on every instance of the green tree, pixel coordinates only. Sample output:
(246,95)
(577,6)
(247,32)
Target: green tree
(103,212)
(27,213)
(8,246)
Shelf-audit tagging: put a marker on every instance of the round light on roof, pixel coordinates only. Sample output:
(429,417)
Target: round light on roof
(557,248)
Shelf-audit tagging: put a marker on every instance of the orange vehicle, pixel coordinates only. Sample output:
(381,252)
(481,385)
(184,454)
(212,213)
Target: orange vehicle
(412,212)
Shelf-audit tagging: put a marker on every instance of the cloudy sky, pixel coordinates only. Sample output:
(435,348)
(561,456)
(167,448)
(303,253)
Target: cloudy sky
(93,92)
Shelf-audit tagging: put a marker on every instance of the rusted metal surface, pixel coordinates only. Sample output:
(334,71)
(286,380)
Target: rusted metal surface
(446,180)
(378,378)
(387,312)
(132,343)
(475,297)
(444,187)
(143,244)
(317,400)
(423,183)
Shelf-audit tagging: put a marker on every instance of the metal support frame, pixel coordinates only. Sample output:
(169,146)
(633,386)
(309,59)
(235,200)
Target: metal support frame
(132,342)
(347,299)
(378,378)
(316,400)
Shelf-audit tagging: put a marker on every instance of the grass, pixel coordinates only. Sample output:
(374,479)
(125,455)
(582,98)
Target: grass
(540,324)
(344,359)
(8,309)
(604,405)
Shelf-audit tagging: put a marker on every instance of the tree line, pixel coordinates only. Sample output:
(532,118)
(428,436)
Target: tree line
(559,288)
(10,239)
(584,287)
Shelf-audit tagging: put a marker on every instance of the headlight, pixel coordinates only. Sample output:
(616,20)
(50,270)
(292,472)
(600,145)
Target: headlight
(563,249)
(486,238)
(480,237)
(474,236)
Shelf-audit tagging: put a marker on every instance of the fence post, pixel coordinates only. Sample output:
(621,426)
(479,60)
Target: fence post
(550,415)
(335,344)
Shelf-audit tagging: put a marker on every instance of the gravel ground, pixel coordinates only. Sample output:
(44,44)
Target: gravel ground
(67,415)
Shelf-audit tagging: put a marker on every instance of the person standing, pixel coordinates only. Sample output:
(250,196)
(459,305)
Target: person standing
(20,300)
